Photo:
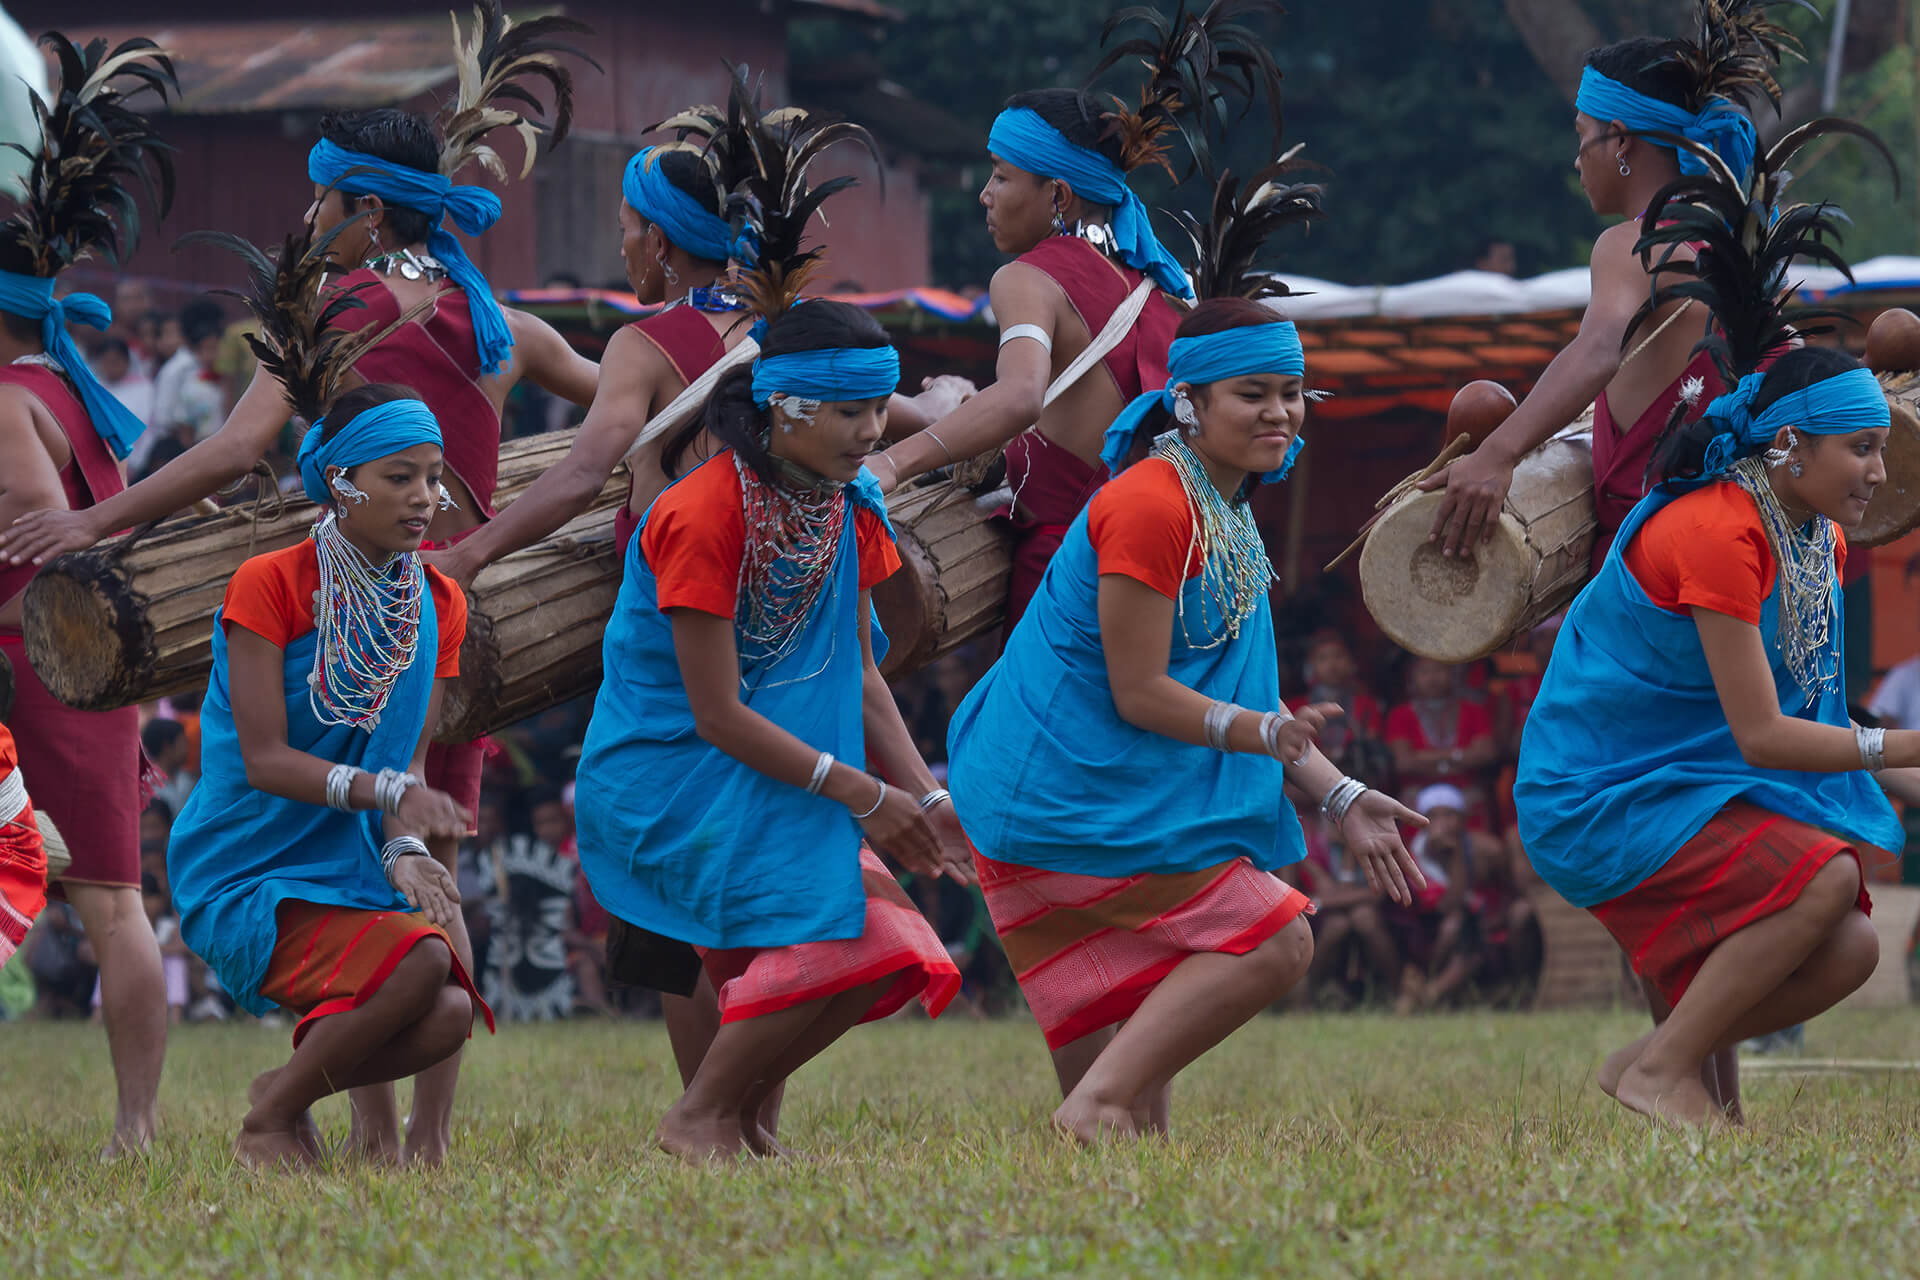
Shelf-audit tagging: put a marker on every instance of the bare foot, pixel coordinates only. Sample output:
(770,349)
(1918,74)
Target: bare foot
(425,1150)
(262,1149)
(1092,1123)
(1617,1063)
(124,1142)
(374,1143)
(304,1128)
(701,1138)
(1678,1098)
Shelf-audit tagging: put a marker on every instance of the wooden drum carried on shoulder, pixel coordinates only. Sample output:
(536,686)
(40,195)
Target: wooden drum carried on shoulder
(1895,509)
(132,618)
(1457,609)
(956,565)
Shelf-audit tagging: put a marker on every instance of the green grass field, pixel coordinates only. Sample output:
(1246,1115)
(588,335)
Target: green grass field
(1355,1145)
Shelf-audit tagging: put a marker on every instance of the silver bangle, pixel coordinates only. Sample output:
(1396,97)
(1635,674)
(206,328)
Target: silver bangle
(878,801)
(1219,724)
(821,768)
(390,786)
(1340,798)
(1270,725)
(928,431)
(340,787)
(933,798)
(1873,748)
(400,847)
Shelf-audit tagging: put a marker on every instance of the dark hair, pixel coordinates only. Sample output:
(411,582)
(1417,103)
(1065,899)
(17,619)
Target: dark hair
(684,170)
(1078,116)
(201,319)
(158,735)
(1648,66)
(1682,450)
(399,137)
(732,416)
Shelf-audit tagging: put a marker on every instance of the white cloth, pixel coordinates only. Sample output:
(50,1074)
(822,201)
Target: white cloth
(180,368)
(1897,701)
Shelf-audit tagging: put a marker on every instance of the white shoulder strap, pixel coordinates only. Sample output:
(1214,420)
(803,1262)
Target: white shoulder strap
(690,401)
(1106,340)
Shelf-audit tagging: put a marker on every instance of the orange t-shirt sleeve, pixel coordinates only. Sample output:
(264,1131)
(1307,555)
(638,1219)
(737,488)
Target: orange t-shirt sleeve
(879,558)
(694,541)
(1706,550)
(1142,528)
(450,613)
(261,597)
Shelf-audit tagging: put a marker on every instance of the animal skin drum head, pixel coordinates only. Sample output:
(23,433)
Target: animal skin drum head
(1895,509)
(1451,608)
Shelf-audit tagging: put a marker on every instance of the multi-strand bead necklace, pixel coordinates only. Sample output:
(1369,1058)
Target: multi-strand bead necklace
(1804,564)
(793,535)
(368,617)
(1235,573)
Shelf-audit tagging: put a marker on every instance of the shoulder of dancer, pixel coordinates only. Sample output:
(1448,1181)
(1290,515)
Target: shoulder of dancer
(272,594)
(1141,526)
(1709,549)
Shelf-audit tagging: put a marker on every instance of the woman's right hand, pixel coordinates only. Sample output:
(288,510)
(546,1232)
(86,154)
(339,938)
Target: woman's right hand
(901,831)
(430,814)
(39,536)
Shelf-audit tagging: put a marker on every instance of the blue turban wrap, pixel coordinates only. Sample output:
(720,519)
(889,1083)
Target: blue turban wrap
(1845,403)
(831,373)
(32,297)
(1721,125)
(1232,353)
(654,197)
(380,432)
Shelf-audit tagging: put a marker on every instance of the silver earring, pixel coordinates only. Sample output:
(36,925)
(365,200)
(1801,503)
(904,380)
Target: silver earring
(446,499)
(1779,457)
(673,277)
(1183,411)
(1796,469)
(1626,170)
(348,490)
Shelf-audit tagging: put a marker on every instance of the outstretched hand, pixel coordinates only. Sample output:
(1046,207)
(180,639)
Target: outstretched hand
(428,887)
(39,536)
(1371,831)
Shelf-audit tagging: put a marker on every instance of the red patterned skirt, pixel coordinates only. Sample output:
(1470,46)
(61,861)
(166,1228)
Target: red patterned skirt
(897,941)
(1743,866)
(23,878)
(332,959)
(1088,950)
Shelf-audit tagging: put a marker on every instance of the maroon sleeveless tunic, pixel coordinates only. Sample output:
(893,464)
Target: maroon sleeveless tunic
(81,767)
(1051,481)
(692,346)
(1621,459)
(437,358)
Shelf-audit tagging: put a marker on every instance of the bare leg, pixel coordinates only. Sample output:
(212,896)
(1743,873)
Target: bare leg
(1152,1109)
(1720,1075)
(1739,974)
(1071,1060)
(1197,1005)
(430,1124)
(692,1022)
(414,1020)
(133,1002)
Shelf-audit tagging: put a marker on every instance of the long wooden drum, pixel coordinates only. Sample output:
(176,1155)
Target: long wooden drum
(1895,509)
(1456,609)
(956,565)
(132,619)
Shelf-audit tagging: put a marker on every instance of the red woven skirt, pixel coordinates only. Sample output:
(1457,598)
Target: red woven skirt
(1743,866)
(1087,950)
(897,940)
(23,879)
(330,960)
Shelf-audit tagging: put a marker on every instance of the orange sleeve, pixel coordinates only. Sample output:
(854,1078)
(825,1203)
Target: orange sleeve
(1705,551)
(879,558)
(260,597)
(1141,527)
(695,539)
(450,611)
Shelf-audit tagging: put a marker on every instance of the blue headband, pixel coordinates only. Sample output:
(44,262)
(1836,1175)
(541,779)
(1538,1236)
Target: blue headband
(654,197)
(1021,138)
(1720,125)
(380,432)
(32,297)
(1231,353)
(473,210)
(1840,405)
(832,373)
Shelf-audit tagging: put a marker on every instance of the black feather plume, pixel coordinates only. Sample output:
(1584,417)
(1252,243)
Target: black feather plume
(1195,64)
(493,59)
(1735,48)
(1229,245)
(92,146)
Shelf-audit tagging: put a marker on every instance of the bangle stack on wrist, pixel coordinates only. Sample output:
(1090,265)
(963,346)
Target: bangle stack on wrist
(397,848)
(1219,723)
(1340,798)
(933,798)
(1270,725)
(340,787)
(1873,748)
(821,768)
(390,786)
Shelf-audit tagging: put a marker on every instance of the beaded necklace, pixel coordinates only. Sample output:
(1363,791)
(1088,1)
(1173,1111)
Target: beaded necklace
(793,536)
(368,617)
(1235,572)
(715,300)
(1803,565)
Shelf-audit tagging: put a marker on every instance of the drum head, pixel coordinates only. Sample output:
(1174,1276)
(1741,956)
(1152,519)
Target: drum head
(1449,608)
(1895,509)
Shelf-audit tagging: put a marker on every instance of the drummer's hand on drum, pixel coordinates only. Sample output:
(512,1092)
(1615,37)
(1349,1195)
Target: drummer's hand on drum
(956,851)
(39,536)
(1476,488)
(901,831)
(1371,832)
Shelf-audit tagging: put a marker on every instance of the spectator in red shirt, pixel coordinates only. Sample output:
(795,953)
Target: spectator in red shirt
(1439,736)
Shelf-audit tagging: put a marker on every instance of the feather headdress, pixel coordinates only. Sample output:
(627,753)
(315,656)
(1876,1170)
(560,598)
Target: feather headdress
(1227,247)
(298,342)
(492,59)
(758,161)
(1734,49)
(91,147)
(1194,63)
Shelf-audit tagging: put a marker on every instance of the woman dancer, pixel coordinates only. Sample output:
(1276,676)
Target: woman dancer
(1688,771)
(1120,769)
(300,865)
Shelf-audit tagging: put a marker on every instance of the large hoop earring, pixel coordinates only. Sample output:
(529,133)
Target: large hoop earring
(1626,170)
(673,277)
